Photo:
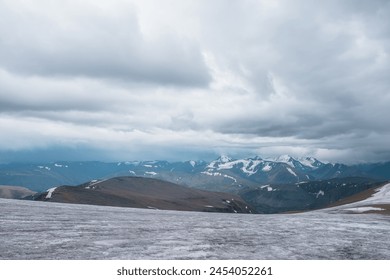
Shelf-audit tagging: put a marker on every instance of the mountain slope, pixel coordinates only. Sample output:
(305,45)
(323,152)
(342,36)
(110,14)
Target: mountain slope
(150,193)
(14,192)
(223,174)
(374,200)
(277,198)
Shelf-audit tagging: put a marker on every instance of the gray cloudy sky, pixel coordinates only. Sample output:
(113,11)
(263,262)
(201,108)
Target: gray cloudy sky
(126,80)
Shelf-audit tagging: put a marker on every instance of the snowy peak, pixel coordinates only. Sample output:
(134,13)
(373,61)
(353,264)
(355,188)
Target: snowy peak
(221,160)
(304,162)
(250,166)
(310,162)
(224,159)
(283,158)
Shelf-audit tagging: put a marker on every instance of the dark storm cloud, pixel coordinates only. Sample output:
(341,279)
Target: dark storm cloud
(82,40)
(150,77)
(329,65)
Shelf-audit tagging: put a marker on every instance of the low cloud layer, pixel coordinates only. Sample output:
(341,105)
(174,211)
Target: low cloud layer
(192,79)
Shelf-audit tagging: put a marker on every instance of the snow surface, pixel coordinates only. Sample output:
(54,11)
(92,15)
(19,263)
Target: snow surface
(381,196)
(267,168)
(269,188)
(292,172)
(50,192)
(363,209)
(44,167)
(151,173)
(41,230)
(60,165)
(321,192)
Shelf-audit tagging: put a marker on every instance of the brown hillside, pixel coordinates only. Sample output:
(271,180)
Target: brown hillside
(14,192)
(149,193)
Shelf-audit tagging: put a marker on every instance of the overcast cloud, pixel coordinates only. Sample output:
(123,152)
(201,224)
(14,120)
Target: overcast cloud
(178,80)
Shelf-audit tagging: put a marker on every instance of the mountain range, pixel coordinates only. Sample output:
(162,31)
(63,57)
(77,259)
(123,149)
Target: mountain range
(223,174)
(270,185)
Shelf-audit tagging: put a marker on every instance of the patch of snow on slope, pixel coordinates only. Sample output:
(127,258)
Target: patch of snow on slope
(219,174)
(50,192)
(60,165)
(363,209)
(292,172)
(250,166)
(320,193)
(44,167)
(230,177)
(228,165)
(267,168)
(382,196)
(211,173)
(269,188)
(151,173)
(192,163)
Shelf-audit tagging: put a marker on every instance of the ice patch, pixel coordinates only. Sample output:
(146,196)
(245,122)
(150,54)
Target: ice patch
(211,173)
(363,209)
(292,172)
(50,192)
(382,196)
(230,177)
(269,188)
(320,193)
(267,168)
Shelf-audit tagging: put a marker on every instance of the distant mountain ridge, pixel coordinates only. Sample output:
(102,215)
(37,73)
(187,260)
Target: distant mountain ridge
(223,174)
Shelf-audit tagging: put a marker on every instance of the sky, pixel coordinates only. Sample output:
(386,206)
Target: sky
(179,80)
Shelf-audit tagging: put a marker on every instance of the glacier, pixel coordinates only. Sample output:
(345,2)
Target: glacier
(42,230)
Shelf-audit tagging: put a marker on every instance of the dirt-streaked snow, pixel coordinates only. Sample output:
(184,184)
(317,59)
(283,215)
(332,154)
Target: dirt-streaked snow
(43,230)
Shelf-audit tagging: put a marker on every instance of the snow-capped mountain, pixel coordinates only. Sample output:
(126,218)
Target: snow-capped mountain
(269,185)
(221,174)
(283,169)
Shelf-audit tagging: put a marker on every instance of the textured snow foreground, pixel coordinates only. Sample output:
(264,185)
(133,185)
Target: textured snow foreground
(39,230)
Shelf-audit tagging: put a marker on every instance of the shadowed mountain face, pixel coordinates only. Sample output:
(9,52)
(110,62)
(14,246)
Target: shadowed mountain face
(150,193)
(305,196)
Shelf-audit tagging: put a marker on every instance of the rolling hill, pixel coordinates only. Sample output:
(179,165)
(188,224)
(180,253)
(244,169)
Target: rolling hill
(137,192)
